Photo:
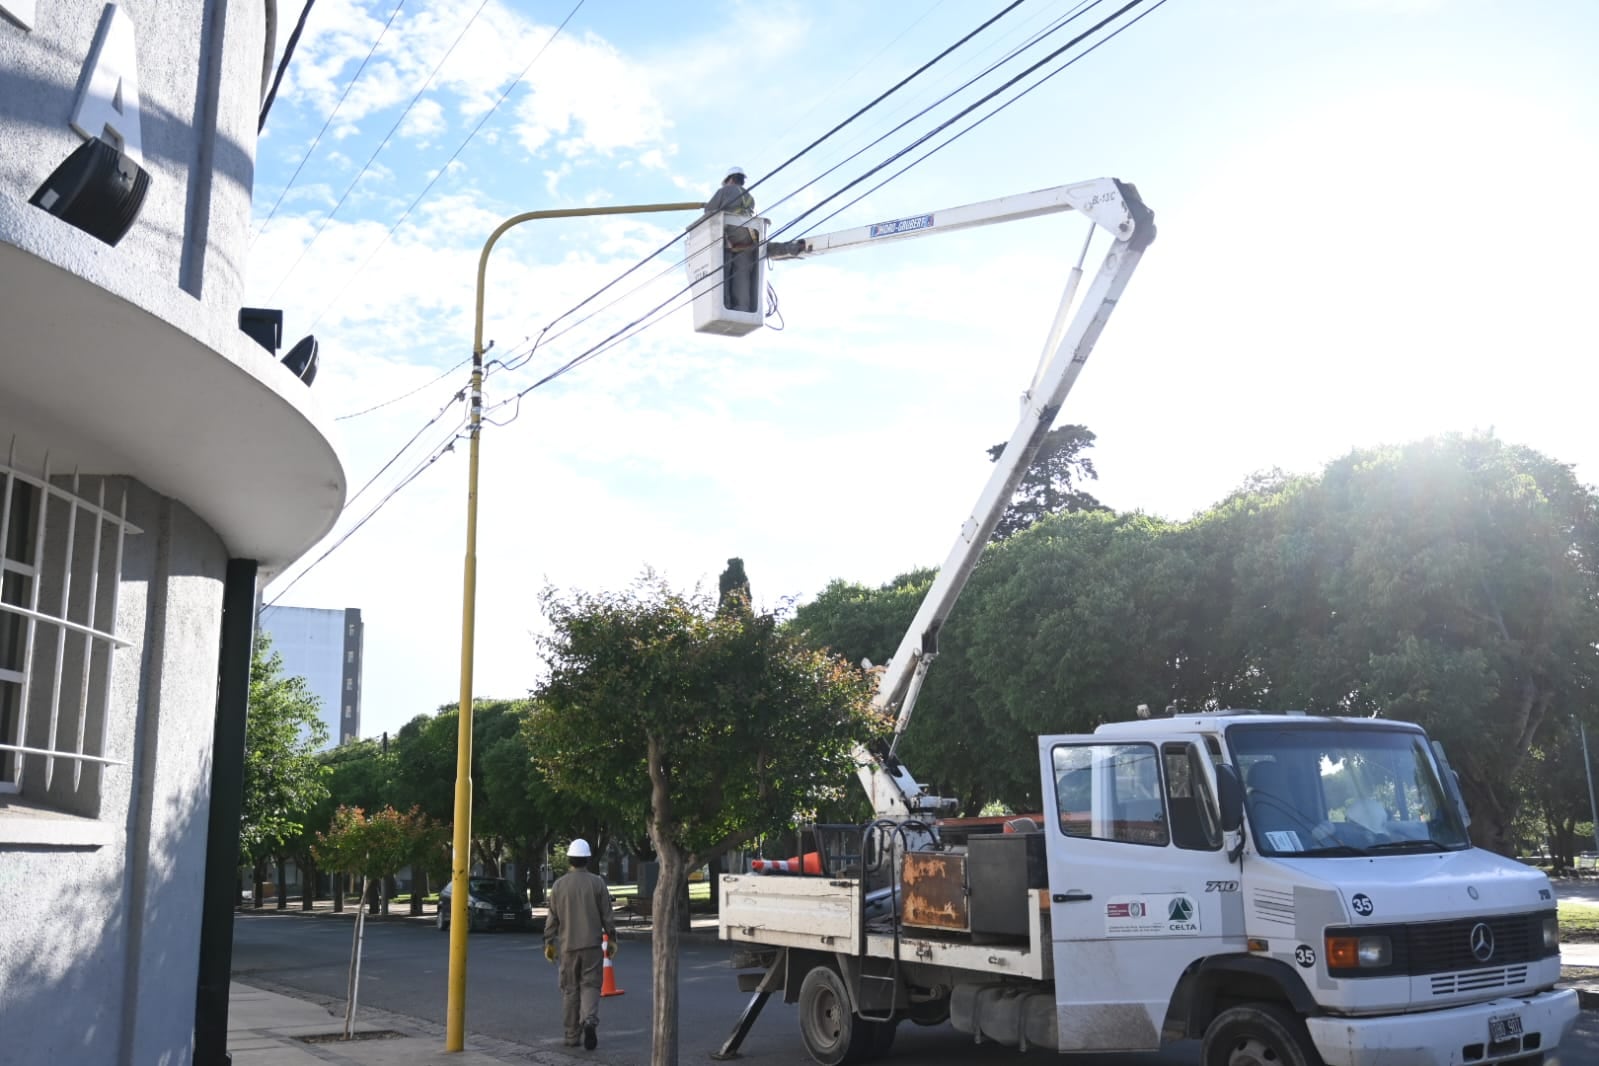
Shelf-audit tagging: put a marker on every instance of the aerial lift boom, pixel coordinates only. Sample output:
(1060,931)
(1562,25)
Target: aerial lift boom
(1112,206)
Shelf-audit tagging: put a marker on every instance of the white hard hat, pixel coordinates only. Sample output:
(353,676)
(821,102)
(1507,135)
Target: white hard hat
(578,849)
(731,171)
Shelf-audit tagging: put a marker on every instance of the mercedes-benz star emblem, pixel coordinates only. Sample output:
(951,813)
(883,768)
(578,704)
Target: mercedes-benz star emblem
(1482,942)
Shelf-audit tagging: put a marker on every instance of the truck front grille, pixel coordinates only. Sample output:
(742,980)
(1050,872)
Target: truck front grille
(1474,943)
(1478,980)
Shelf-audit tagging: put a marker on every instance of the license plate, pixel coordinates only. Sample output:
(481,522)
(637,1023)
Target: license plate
(1503,1029)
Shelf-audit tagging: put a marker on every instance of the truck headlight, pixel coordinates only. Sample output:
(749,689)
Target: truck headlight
(1551,934)
(1359,952)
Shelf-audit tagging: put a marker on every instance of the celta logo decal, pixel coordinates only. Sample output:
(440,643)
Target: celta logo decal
(1180,916)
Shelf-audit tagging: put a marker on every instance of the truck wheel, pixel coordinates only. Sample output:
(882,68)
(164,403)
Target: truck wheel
(1258,1034)
(832,1033)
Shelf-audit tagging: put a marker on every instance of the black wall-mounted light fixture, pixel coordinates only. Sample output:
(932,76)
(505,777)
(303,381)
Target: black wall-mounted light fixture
(264,325)
(99,189)
(302,359)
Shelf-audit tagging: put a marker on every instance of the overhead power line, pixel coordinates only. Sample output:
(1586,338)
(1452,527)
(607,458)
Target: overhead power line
(666,307)
(331,115)
(323,225)
(445,168)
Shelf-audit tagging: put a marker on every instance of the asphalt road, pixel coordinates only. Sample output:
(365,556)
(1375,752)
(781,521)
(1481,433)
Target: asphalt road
(512,995)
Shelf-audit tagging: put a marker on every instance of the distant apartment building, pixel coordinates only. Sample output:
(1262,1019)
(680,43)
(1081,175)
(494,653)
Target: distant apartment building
(323,646)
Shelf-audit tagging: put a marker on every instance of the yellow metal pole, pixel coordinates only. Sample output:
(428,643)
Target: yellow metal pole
(455,1007)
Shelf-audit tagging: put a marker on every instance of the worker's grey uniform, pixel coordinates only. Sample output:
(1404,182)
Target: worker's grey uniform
(740,261)
(580,910)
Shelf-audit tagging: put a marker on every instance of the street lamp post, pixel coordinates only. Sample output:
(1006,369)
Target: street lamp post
(455,1008)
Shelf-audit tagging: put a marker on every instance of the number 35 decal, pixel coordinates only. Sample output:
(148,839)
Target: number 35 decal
(1305,955)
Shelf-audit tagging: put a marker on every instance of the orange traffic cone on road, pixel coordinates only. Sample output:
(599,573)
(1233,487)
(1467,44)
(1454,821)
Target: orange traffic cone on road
(608,982)
(810,863)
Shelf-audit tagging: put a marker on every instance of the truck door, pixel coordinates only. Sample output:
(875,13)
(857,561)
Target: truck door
(1139,882)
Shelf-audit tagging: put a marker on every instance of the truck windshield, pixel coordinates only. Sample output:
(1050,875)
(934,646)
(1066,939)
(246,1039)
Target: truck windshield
(1324,789)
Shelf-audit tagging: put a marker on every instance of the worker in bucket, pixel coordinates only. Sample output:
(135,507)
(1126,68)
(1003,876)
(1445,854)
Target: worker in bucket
(740,260)
(580,912)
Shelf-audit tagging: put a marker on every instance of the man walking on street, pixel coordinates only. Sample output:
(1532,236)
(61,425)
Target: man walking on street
(580,910)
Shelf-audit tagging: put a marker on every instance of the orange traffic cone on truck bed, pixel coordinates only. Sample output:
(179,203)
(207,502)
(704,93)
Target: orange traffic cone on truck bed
(608,982)
(810,863)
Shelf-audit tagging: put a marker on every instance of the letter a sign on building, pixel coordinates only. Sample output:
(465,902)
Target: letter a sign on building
(109,105)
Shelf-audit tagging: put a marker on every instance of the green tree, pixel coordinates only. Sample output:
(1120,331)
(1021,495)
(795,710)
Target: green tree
(733,586)
(1049,486)
(721,723)
(283,780)
(1448,582)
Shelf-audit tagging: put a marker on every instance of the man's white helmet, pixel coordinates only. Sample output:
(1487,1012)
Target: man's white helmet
(735,171)
(578,849)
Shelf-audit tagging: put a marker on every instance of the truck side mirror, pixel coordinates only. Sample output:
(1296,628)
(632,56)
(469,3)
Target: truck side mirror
(1230,794)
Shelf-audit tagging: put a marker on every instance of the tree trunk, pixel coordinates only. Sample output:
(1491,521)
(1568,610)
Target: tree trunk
(716,885)
(307,886)
(338,893)
(258,889)
(667,911)
(419,888)
(372,895)
(280,868)
(669,891)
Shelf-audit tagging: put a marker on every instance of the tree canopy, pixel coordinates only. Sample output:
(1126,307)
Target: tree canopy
(1050,485)
(1449,582)
(283,779)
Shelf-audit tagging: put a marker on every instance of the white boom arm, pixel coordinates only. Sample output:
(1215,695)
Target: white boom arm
(1112,206)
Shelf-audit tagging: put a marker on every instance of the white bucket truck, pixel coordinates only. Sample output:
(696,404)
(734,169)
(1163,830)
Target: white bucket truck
(1287,889)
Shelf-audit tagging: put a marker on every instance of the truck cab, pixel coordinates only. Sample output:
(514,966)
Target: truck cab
(1257,880)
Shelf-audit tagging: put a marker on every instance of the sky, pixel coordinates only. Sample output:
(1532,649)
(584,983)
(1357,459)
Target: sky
(1376,223)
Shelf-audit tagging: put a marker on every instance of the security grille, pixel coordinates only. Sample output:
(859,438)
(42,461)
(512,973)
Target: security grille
(60,572)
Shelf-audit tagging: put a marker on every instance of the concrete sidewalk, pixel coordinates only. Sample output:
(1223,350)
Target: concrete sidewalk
(268,1029)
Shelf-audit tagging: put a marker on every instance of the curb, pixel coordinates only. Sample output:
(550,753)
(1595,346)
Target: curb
(623,932)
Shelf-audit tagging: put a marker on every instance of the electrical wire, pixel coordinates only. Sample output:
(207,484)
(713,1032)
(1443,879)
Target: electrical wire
(1061,23)
(445,168)
(331,116)
(840,126)
(655,315)
(323,225)
(957,136)
(439,451)
(404,396)
(457,398)
(673,302)
(961,114)
(1080,8)
(896,87)
(283,65)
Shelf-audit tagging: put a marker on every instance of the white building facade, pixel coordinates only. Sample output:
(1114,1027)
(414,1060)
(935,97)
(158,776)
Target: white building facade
(156,466)
(323,646)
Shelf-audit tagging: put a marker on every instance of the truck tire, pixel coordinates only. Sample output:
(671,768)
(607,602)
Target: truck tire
(1258,1034)
(833,1035)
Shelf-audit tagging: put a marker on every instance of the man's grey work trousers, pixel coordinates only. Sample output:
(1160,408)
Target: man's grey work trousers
(581,973)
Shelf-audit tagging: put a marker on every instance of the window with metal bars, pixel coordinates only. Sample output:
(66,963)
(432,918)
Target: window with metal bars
(60,572)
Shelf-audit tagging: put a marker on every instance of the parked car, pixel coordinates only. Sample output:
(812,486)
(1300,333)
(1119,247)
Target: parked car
(492,903)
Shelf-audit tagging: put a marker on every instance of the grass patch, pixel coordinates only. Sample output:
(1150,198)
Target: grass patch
(1579,922)
(698,891)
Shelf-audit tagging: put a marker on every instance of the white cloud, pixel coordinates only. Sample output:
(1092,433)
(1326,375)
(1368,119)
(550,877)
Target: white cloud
(426,118)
